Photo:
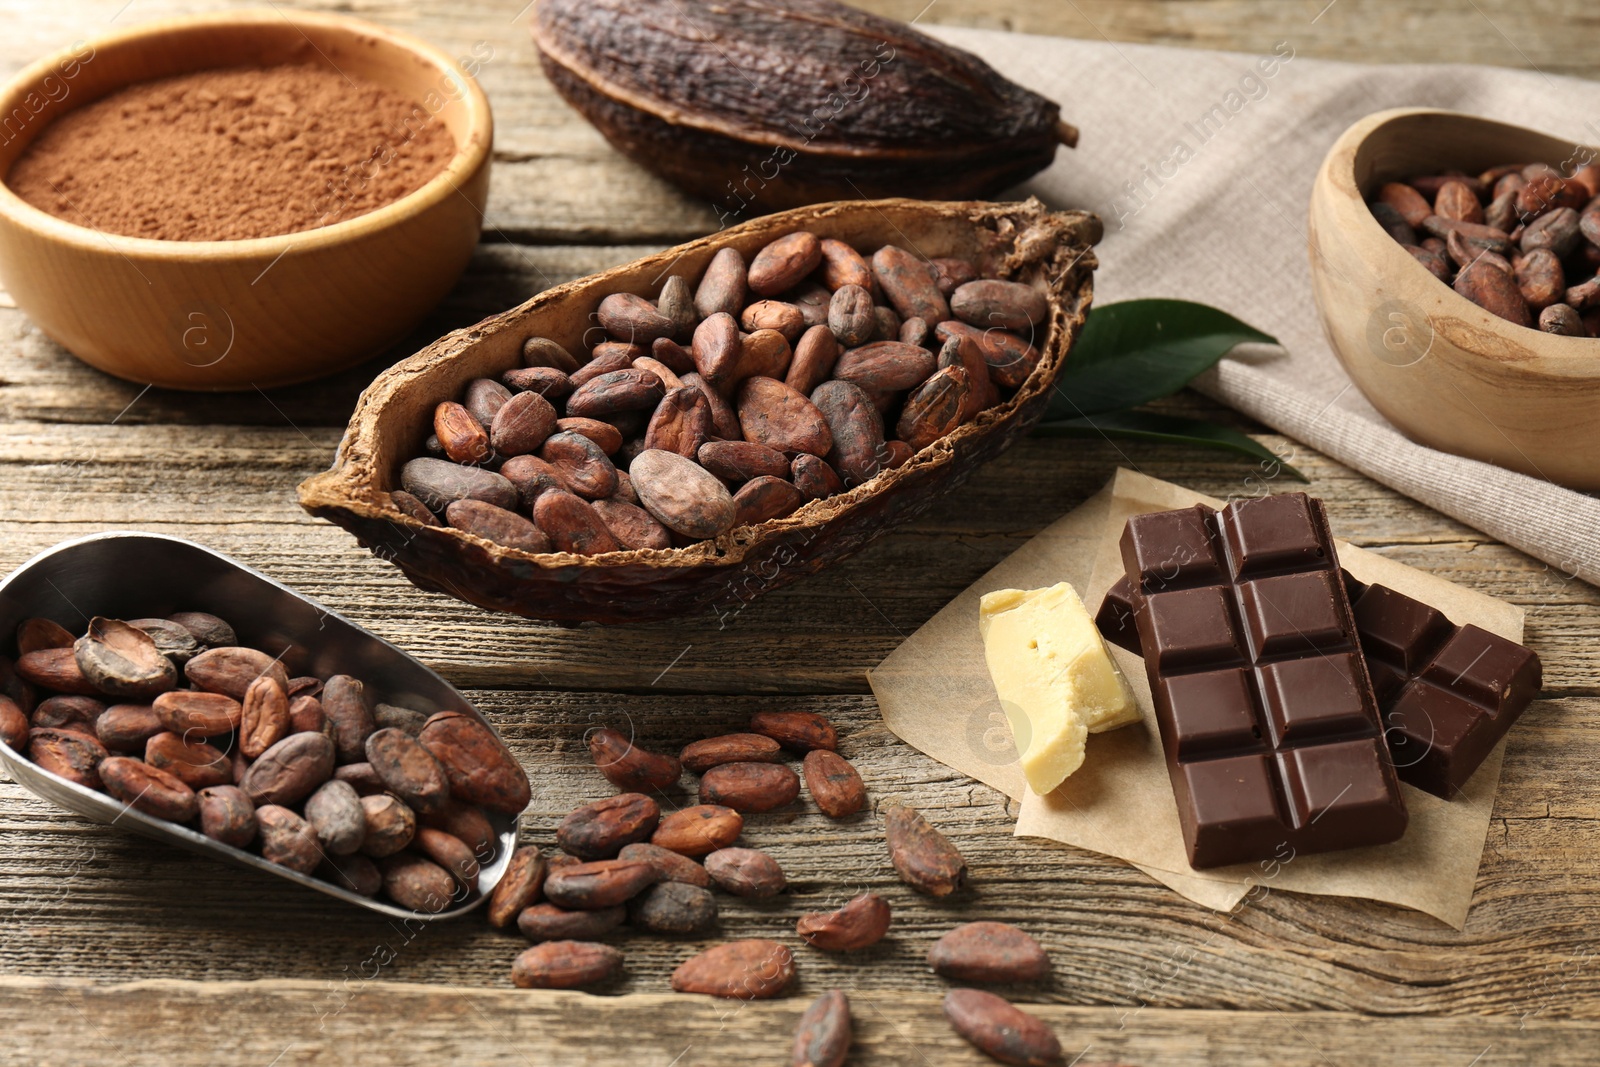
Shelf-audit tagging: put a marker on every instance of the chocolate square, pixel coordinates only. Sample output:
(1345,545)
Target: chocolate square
(1208,713)
(1318,696)
(1292,613)
(1271,534)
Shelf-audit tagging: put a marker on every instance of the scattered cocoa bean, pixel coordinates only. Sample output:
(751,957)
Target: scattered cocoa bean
(599,830)
(922,856)
(701,756)
(628,766)
(668,865)
(565,965)
(598,884)
(743,970)
(797,731)
(519,887)
(746,872)
(988,952)
(195,714)
(673,908)
(749,787)
(698,829)
(834,784)
(859,924)
(822,1037)
(1000,1030)
(546,922)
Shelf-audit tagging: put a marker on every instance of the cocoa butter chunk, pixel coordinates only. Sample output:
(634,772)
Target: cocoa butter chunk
(682,495)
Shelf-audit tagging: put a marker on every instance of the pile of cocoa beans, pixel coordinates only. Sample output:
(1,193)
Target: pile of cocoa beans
(178,720)
(1521,240)
(623,863)
(793,377)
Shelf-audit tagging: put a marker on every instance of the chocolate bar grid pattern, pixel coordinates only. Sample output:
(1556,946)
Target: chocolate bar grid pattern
(1266,710)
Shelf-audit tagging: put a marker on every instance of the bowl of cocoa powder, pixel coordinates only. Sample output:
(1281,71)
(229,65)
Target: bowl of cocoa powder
(239,200)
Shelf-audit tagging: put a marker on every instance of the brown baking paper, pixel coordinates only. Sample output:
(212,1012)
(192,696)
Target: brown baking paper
(934,693)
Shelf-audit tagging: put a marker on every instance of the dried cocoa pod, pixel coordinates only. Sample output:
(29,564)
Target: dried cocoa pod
(349,713)
(390,825)
(743,970)
(775,315)
(498,525)
(290,770)
(407,504)
(934,408)
(988,952)
(765,354)
(607,357)
(264,720)
(582,465)
(195,715)
(746,872)
(764,498)
(37,635)
(631,525)
(14,724)
(629,389)
(70,713)
(519,887)
(226,815)
(572,525)
(772,414)
(1455,201)
(1562,320)
(335,812)
(287,839)
(928,121)
(1000,1030)
(850,316)
(483,398)
(357,873)
(668,865)
(1007,305)
(462,436)
(716,349)
(834,784)
(1010,358)
(546,922)
(1540,279)
(437,482)
(784,263)
(908,286)
(822,1037)
(414,882)
(723,286)
(633,319)
(479,768)
(1411,205)
(522,424)
(1560,231)
(565,965)
(740,461)
(55,669)
(600,829)
(123,727)
(749,787)
(450,853)
(543,352)
(682,495)
(1494,290)
(306,716)
(724,421)
(814,478)
(122,660)
(408,770)
(597,884)
(797,731)
(193,762)
(230,670)
(67,754)
(814,356)
(681,422)
(924,858)
(148,789)
(698,829)
(628,766)
(548,382)
(860,923)
(673,908)
(885,366)
(701,756)
(467,823)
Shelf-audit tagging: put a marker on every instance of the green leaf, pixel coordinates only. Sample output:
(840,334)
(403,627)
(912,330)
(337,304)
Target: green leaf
(1169,429)
(1137,351)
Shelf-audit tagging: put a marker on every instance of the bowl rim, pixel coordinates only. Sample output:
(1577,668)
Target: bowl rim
(471,154)
(1553,354)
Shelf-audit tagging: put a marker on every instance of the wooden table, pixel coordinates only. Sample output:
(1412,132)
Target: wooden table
(113,950)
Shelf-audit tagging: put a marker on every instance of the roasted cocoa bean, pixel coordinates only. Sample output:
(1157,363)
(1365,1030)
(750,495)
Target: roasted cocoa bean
(14,724)
(519,887)
(306,716)
(407,504)
(681,422)
(336,814)
(746,872)
(668,865)
(765,498)
(287,839)
(450,853)
(417,883)
(701,756)
(532,476)
(899,454)
(290,770)
(466,822)
(572,525)
(1455,201)
(628,766)
(599,884)
(122,660)
(390,825)
(914,332)
(1410,204)
(676,303)
(599,830)
(822,1037)
(67,754)
(147,789)
(672,355)
(581,464)
(885,366)
(195,715)
(264,720)
(673,908)
(784,263)
(797,731)
(842,265)
(669,377)
(743,970)
(565,965)
(682,495)
(606,358)
(1563,320)
(437,482)
(543,352)
(1560,231)
(856,429)
(814,478)
(503,527)
(740,461)
(230,670)
(1010,358)
(408,770)
(546,922)
(37,635)
(988,952)
(1000,1030)
(834,784)
(349,712)
(1540,279)
(125,727)
(631,525)
(208,629)
(478,767)
(860,923)
(55,669)
(924,858)
(698,829)
(749,787)
(463,438)
(226,815)
(192,761)
(723,286)
(717,349)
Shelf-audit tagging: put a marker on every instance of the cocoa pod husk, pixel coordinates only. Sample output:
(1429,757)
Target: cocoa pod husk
(122,660)
(669,865)
(698,829)
(673,908)
(287,839)
(740,461)
(336,814)
(746,872)
(479,768)
(598,884)
(55,669)
(989,952)
(437,482)
(627,766)
(192,761)
(834,784)
(67,754)
(814,356)
(147,789)
(418,883)
(700,756)
(227,815)
(823,1035)
(742,970)
(600,829)
(264,717)
(922,856)
(519,887)
(860,923)
(749,787)
(566,965)
(682,495)
(772,414)
(290,770)
(797,731)
(408,770)
(1001,1030)
(764,498)
(546,922)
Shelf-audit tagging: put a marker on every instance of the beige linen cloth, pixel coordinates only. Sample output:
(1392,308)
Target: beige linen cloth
(1201,164)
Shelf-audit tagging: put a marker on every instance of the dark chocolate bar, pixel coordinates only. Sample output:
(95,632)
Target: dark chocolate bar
(1267,714)
(1447,693)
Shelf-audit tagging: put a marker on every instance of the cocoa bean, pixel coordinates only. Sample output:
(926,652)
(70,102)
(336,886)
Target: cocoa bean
(546,922)
(123,727)
(208,629)
(814,356)
(196,715)
(981,392)
(1430,184)
(572,525)
(1394,224)
(462,436)
(483,398)
(908,286)
(67,754)
(303,686)
(1010,358)
(814,478)
(885,366)
(543,352)
(898,454)
(1410,204)
(629,389)
(764,498)
(775,315)
(407,504)
(581,464)
(1502,211)
(565,965)
(914,331)
(450,853)
(669,377)
(599,884)
(55,669)
(122,660)
(724,421)
(466,822)
(599,830)
(631,525)
(822,1037)
(1560,231)
(1549,192)
(548,382)
(1000,1030)
(924,858)
(764,354)
(193,762)
(522,424)
(743,970)
(264,720)
(772,414)
(37,635)
(335,812)
(1455,201)
(723,285)
(1484,238)
(1010,305)
(1563,320)
(226,815)
(408,770)
(1540,279)
(349,713)
(357,873)
(681,422)
(14,724)
(147,789)
(606,358)
(673,908)
(668,865)
(230,670)
(633,319)
(628,766)
(1495,291)
(698,829)
(287,839)
(478,767)
(498,525)
(417,883)
(934,408)
(797,731)
(290,770)
(746,872)
(860,923)
(988,952)
(740,461)
(519,887)
(70,713)
(682,495)
(717,349)
(676,303)
(437,482)
(625,491)
(390,825)
(834,784)
(842,265)
(784,263)
(672,355)
(856,429)
(749,787)
(1433,262)
(950,274)
(701,756)
(306,716)
(532,477)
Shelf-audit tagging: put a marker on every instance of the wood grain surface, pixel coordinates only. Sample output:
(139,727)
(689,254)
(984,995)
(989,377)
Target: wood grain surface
(115,950)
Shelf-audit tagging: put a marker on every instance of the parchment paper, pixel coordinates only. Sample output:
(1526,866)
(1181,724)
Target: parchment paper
(934,693)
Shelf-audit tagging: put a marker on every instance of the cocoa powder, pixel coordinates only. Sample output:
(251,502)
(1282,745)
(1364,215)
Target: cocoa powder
(225,155)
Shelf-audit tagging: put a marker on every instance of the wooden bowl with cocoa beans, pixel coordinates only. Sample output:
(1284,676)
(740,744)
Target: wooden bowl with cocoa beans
(1463,365)
(690,430)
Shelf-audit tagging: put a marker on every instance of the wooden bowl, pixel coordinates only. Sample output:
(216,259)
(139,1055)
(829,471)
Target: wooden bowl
(1023,242)
(1446,372)
(235,314)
